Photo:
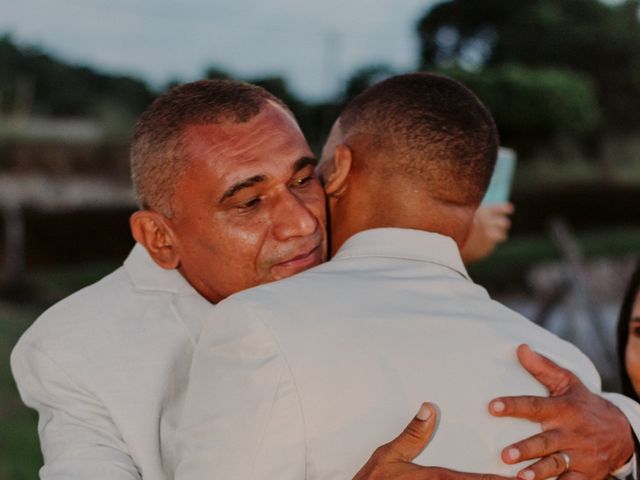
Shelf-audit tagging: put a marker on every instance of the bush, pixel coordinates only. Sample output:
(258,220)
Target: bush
(535,102)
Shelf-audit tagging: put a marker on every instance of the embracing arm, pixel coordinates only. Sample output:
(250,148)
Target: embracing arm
(77,436)
(592,431)
(578,425)
(395,459)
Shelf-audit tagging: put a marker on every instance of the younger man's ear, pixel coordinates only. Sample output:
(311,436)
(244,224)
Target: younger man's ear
(337,183)
(152,230)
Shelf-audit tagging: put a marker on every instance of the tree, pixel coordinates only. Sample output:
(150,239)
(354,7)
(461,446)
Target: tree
(599,41)
(61,89)
(365,77)
(534,104)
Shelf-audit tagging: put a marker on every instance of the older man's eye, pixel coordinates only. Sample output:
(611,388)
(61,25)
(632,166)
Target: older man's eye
(303,182)
(250,205)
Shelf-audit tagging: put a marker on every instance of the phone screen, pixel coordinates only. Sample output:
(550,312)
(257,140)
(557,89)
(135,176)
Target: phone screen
(502,178)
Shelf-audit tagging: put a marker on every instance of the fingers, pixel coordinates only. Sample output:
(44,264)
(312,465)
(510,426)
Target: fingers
(548,467)
(494,221)
(414,438)
(394,460)
(477,476)
(433,473)
(492,217)
(498,234)
(501,223)
(537,446)
(557,379)
(505,208)
(572,476)
(536,409)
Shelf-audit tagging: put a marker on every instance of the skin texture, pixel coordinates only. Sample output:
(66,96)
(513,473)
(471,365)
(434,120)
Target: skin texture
(380,201)
(248,211)
(632,350)
(591,430)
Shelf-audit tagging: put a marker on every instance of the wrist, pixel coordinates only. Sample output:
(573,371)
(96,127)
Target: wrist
(627,452)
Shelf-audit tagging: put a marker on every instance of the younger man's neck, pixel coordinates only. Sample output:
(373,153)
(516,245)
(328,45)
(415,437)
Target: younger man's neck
(354,217)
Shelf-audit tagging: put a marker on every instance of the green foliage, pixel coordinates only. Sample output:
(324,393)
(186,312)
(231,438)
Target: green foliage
(315,119)
(364,78)
(534,102)
(600,41)
(33,81)
(20,457)
(278,86)
(212,73)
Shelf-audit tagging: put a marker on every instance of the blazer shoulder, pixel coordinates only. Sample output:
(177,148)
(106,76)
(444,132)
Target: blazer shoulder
(87,314)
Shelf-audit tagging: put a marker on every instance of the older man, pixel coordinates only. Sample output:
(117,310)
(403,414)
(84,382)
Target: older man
(229,200)
(301,378)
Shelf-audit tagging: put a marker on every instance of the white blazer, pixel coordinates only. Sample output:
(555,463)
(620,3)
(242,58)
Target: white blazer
(304,378)
(106,369)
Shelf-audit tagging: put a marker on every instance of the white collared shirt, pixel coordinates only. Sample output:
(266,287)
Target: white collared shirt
(304,378)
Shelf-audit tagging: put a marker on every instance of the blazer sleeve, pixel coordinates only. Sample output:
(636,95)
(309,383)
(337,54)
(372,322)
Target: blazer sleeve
(78,438)
(242,417)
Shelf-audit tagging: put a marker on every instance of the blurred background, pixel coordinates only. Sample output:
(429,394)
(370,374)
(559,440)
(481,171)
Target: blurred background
(562,78)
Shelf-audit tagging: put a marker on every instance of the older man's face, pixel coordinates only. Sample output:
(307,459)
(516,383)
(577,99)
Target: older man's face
(250,209)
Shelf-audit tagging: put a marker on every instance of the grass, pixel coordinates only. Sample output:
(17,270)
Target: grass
(20,456)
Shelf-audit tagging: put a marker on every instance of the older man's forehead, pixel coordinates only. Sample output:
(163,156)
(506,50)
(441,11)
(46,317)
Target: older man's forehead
(272,128)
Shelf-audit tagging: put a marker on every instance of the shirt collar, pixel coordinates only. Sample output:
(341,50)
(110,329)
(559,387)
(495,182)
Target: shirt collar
(404,243)
(148,275)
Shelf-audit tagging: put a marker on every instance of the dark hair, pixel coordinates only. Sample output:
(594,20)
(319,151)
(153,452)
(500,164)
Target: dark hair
(157,160)
(434,128)
(623,331)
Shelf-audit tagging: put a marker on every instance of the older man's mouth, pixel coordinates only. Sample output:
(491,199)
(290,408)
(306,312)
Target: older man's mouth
(298,263)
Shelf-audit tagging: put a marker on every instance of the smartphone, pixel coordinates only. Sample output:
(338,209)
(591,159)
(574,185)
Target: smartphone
(502,178)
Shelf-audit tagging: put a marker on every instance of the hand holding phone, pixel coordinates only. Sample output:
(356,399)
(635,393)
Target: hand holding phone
(502,178)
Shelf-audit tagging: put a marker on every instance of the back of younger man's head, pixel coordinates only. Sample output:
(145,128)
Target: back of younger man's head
(157,157)
(424,130)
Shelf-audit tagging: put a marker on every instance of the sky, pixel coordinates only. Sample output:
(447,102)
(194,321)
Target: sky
(314,45)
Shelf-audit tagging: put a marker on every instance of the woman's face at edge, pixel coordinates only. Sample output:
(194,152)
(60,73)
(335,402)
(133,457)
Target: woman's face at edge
(632,349)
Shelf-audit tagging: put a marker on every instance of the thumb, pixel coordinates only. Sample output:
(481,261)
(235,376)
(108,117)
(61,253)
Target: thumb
(557,379)
(416,435)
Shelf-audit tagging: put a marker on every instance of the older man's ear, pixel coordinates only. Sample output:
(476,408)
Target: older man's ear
(336,182)
(153,231)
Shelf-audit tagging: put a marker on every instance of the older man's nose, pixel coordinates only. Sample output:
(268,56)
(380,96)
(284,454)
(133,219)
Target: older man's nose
(293,218)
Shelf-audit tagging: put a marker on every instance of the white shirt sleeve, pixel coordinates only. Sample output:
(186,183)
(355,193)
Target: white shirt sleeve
(629,471)
(242,417)
(631,410)
(78,438)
